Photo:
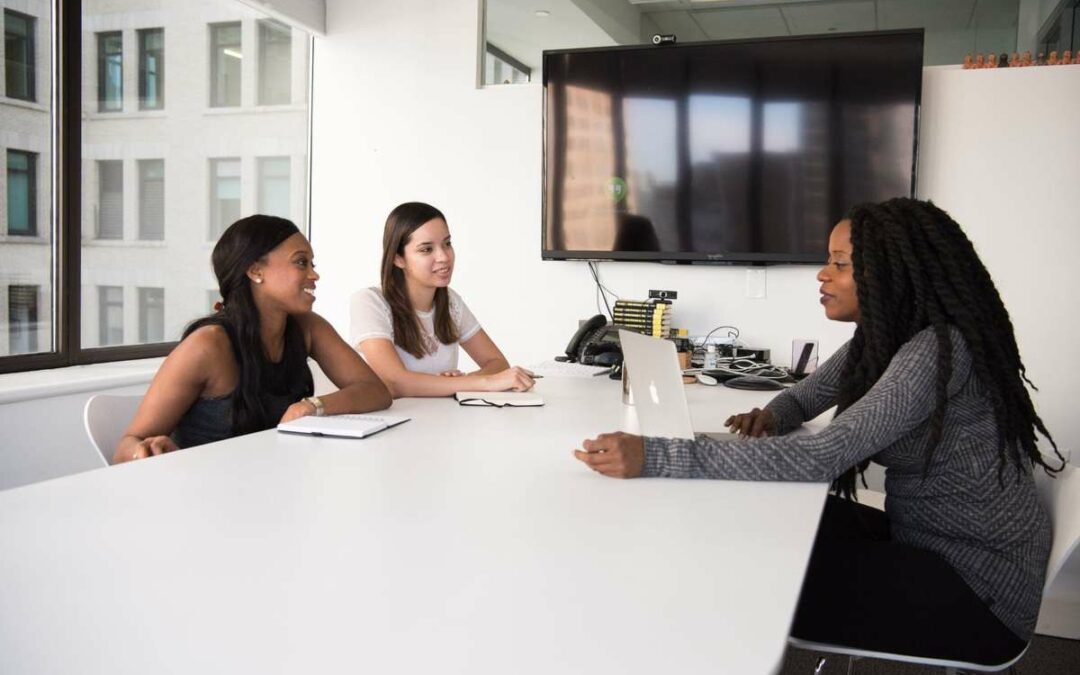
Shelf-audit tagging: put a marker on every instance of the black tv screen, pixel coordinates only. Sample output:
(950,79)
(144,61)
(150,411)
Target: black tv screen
(745,151)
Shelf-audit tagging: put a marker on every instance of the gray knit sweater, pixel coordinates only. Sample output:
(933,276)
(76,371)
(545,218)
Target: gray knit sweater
(994,533)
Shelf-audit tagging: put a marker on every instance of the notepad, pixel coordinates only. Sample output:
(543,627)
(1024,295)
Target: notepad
(500,399)
(348,426)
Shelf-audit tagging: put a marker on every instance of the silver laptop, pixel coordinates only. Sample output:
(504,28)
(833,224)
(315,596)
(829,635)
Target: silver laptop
(348,426)
(657,387)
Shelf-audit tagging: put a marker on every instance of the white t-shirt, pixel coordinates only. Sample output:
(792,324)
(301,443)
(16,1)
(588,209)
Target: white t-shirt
(370,317)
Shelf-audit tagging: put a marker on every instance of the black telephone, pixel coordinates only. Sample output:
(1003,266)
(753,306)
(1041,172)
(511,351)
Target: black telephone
(595,343)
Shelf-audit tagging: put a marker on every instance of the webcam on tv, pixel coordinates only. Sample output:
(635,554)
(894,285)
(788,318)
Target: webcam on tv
(660,39)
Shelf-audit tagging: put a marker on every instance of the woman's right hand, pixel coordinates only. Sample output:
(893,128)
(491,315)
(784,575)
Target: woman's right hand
(755,423)
(514,378)
(153,445)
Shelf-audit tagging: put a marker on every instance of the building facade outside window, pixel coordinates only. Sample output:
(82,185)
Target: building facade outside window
(151,68)
(275,62)
(21,193)
(20,61)
(151,199)
(226,64)
(274,186)
(110,71)
(110,223)
(110,315)
(224,194)
(22,319)
(151,315)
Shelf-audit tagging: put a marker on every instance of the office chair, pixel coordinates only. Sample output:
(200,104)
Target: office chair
(1060,496)
(106,417)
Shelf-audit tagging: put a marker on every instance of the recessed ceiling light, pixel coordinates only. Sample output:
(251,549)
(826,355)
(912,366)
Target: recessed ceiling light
(542,13)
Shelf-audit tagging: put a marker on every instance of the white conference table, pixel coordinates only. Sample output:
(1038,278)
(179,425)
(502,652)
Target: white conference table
(467,540)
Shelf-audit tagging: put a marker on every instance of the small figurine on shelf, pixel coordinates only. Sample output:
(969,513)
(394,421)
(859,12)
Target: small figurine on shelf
(1053,60)
(1025,60)
(1066,58)
(991,61)
(1041,61)
(968,63)
(980,62)
(1003,60)
(1014,60)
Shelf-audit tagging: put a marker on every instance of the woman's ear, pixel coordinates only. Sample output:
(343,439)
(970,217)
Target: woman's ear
(255,273)
(399,262)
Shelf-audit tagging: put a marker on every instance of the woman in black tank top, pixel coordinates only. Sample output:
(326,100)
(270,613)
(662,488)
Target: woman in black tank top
(244,368)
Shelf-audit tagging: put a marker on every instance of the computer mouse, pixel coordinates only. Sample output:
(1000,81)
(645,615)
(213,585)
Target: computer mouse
(707,379)
(753,382)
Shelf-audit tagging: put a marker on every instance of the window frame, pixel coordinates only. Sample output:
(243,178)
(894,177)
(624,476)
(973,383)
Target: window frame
(65,30)
(102,60)
(31,39)
(141,36)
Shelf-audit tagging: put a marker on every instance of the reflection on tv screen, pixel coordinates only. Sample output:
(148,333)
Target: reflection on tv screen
(735,151)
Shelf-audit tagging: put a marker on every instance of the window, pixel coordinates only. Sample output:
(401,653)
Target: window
(152,199)
(275,62)
(21,193)
(110,199)
(22,319)
(151,315)
(274,186)
(226,59)
(110,315)
(501,68)
(110,72)
(19,55)
(151,69)
(118,282)
(224,195)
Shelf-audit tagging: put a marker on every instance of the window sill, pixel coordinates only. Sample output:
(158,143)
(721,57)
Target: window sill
(36,384)
(24,239)
(126,115)
(243,109)
(23,103)
(124,243)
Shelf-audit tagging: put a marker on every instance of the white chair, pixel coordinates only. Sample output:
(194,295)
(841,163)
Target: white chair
(106,417)
(1060,496)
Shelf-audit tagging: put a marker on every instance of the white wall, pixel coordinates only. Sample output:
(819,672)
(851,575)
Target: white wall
(412,125)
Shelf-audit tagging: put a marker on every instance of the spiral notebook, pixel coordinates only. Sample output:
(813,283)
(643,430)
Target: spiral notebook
(346,426)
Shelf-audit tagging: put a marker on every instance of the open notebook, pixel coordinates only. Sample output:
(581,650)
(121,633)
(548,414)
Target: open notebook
(500,399)
(349,426)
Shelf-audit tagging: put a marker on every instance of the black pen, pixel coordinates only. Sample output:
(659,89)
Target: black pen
(606,371)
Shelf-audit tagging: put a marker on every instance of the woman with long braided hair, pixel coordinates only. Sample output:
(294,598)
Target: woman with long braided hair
(932,387)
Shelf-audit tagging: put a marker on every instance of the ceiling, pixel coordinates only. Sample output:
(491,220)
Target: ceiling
(953,27)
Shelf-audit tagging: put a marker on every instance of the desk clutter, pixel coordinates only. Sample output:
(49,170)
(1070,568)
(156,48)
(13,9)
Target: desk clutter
(649,317)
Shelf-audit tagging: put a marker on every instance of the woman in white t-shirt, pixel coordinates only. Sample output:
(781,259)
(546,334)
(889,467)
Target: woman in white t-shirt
(409,330)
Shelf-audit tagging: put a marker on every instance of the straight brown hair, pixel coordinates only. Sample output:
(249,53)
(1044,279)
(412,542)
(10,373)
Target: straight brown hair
(400,224)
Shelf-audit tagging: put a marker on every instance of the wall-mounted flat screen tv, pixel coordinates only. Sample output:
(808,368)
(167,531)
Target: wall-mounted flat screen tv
(739,152)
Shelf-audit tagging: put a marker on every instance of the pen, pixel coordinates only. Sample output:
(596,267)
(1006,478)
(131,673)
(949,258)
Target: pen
(537,377)
(602,372)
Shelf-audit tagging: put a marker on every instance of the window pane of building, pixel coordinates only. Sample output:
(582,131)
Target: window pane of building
(110,316)
(226,61)
(152,199)
(224,195)
(161,187)
(274,186)
(275,62)
(23,319)
(152,69)
(151,315)
(26,217)
(21,193)
(110,199)
(19,55)
(110,72)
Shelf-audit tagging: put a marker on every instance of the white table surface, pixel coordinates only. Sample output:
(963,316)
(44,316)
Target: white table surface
(466,541)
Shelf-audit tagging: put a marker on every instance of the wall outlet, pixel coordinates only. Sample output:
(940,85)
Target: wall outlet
(756,283)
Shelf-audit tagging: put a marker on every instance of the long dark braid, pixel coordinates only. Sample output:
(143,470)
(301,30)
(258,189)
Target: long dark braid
(915,268)
(241,245)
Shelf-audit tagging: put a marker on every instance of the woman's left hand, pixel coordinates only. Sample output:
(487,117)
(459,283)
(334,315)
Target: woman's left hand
(619,455)
(296,411)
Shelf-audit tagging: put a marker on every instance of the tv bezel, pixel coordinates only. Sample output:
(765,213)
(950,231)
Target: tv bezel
(710,258)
